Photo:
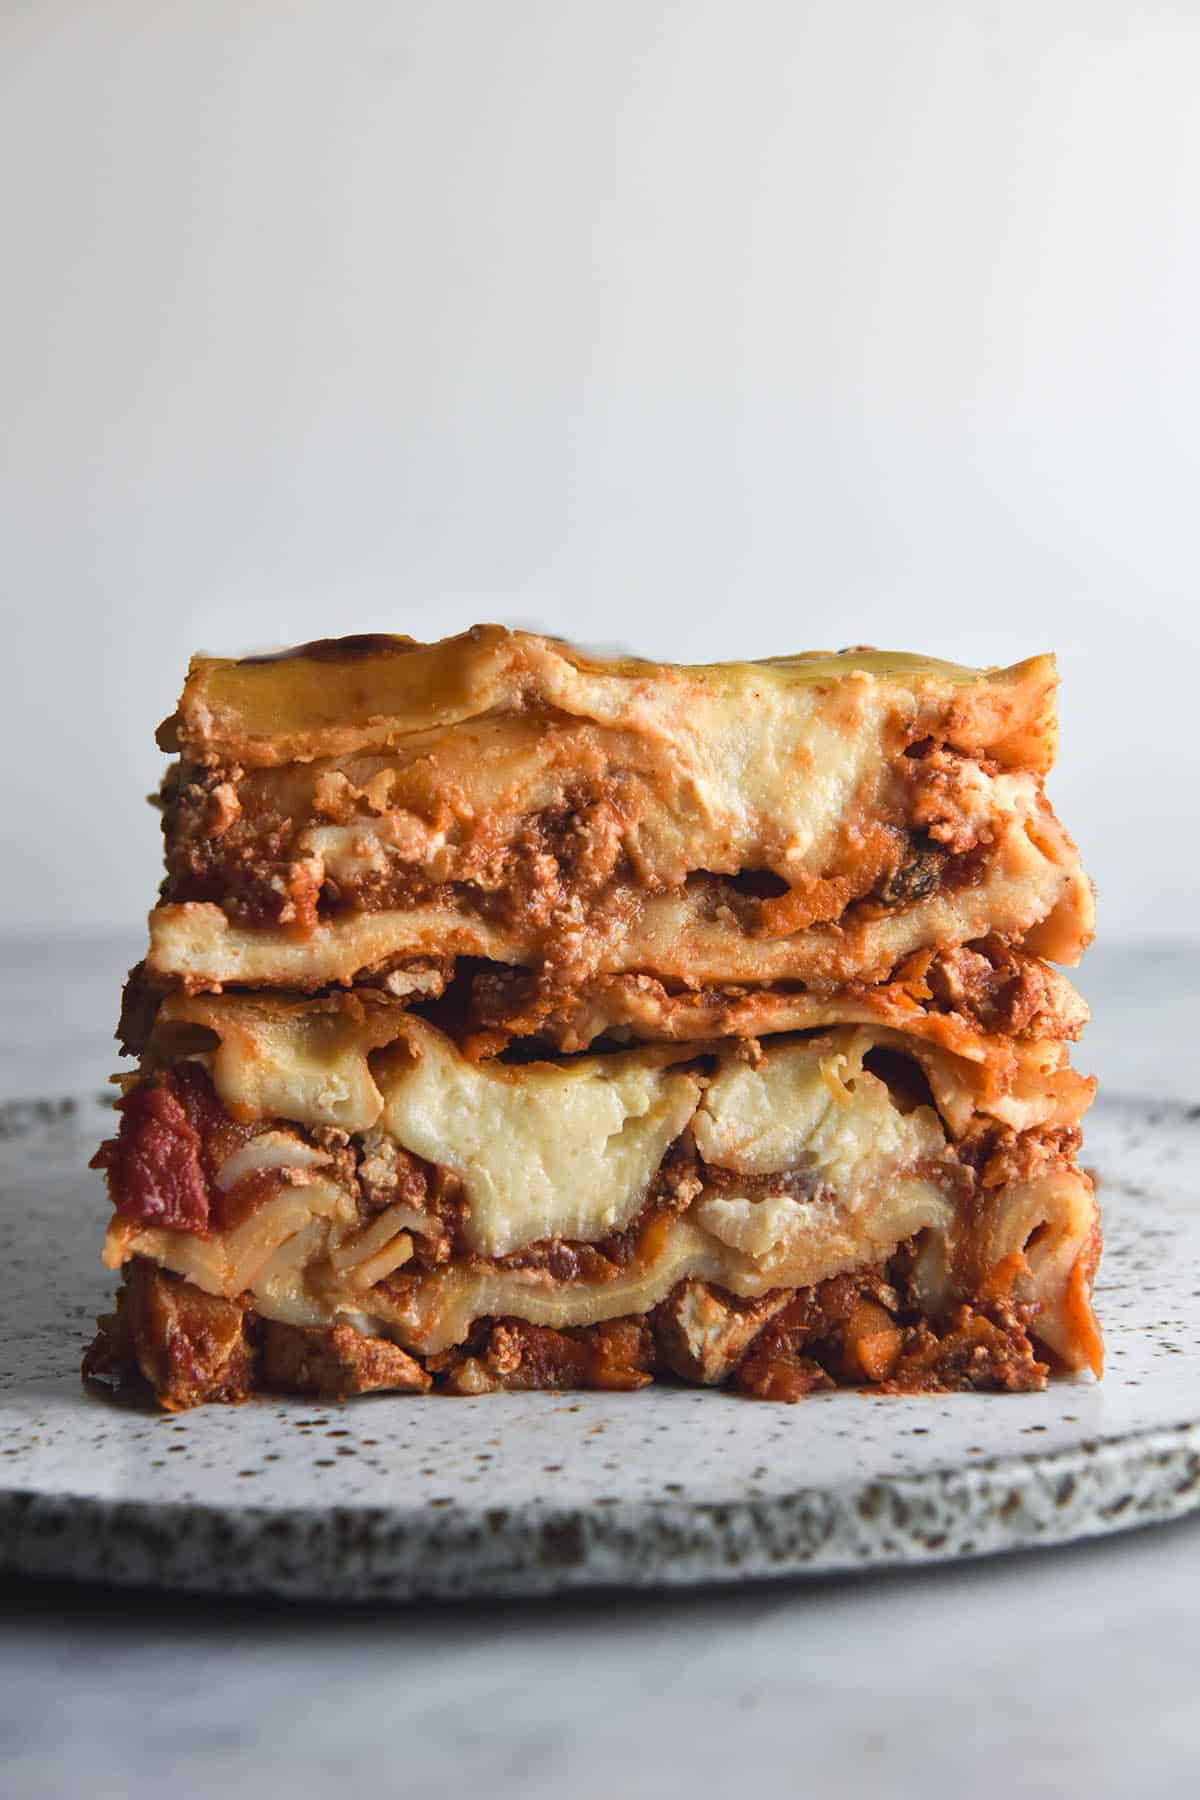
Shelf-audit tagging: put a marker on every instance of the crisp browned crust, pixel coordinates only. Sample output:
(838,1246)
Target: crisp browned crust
(703,1333)
(862,1330)
(852,1332)
(188,1345)
(511,1354)
(335,1361)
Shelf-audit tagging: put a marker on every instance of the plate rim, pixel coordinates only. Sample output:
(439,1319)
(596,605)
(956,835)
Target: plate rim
(359,1550)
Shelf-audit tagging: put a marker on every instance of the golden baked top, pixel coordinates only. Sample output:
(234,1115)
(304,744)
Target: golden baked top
(338,696)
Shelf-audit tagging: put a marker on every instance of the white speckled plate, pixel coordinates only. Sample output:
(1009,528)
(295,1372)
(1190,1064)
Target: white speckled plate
(395,1496)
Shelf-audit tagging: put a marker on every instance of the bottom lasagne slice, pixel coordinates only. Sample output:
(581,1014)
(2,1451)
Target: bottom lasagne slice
(329,1196)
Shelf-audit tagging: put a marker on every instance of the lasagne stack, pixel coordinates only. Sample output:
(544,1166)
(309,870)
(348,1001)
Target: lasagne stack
(514,1018)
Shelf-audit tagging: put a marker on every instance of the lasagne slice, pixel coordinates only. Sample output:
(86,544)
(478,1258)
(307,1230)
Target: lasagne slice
(334,1195)
(373,809)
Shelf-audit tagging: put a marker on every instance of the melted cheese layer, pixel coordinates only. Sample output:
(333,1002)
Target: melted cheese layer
(339,1060)
(547,1150)
(813,1107)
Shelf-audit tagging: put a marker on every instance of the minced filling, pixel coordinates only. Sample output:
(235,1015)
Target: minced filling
(1023,882)
(869,1327)
(988,992)
(304,845)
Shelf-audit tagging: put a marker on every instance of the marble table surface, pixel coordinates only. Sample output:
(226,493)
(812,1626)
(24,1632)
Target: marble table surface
(1058,1672)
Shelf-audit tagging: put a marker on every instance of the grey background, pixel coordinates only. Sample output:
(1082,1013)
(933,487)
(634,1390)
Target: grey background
(706,328)
(700,328)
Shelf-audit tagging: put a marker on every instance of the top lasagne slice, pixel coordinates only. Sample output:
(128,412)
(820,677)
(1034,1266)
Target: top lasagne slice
(353,808)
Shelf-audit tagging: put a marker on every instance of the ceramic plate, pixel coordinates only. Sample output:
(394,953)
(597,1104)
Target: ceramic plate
(518,1494)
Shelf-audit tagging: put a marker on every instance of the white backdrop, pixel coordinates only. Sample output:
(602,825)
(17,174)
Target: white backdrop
(709,329)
